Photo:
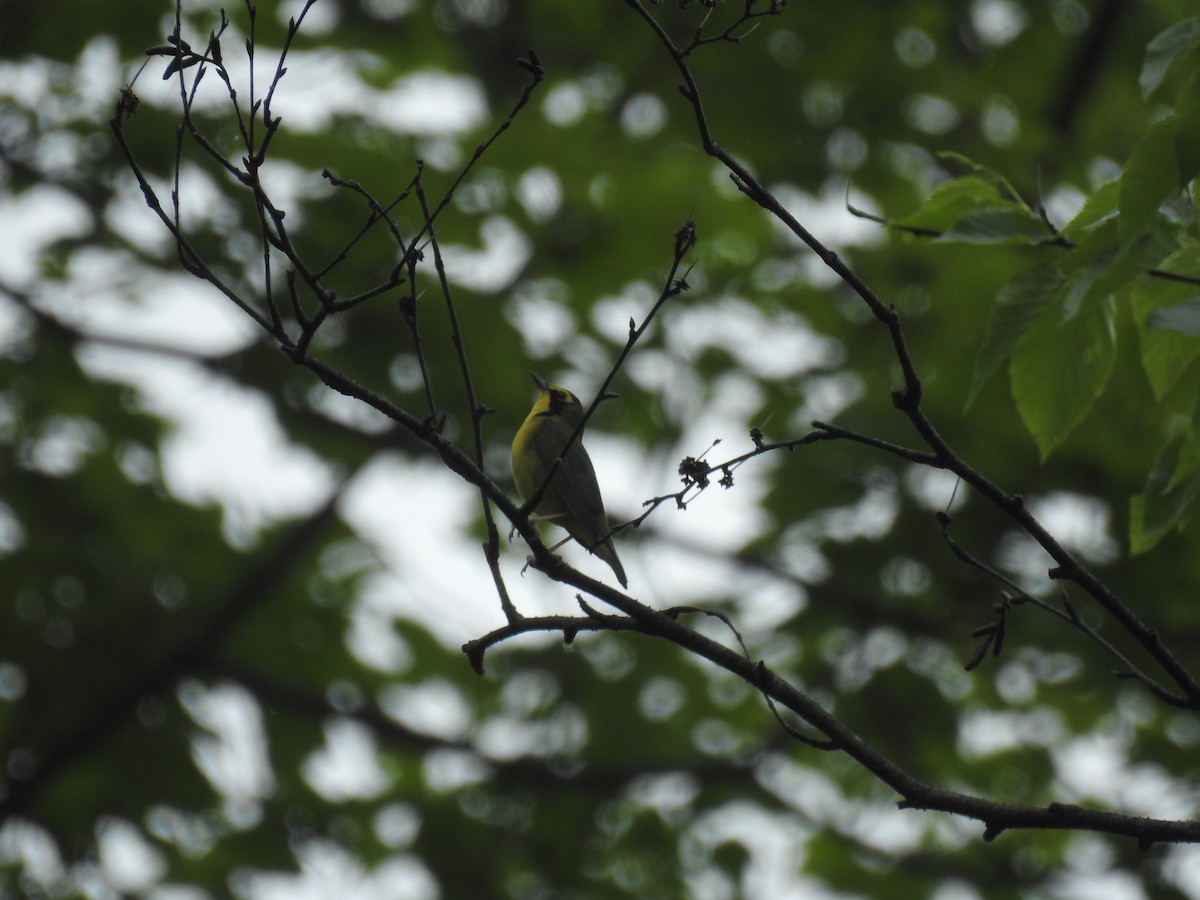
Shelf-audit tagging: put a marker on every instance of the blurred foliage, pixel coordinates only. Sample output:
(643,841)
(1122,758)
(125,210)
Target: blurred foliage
(170,688)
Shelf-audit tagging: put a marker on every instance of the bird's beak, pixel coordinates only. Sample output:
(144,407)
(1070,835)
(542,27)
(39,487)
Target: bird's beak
(540,382)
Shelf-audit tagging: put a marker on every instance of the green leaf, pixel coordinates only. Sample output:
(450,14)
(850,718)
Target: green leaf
(1151,175)
(1008,224)
(1170,489)
(1187,128)
(980,208)
(1083,284)
(1164,50)
(1114,269)
(950,201)
(1168,348)
(982,171)
(1103,202)
(1015,308)
(1060,368)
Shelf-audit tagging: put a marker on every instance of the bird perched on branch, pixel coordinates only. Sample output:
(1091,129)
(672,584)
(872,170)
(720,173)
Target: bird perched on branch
(572,498)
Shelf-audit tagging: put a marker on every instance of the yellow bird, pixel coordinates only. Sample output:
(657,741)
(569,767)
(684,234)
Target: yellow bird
(572,499)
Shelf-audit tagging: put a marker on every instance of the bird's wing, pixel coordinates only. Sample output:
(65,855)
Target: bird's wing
(573,493)
(573,496)
(579,478)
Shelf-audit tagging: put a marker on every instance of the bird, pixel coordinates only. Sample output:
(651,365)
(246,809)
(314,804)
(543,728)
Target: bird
(572,498)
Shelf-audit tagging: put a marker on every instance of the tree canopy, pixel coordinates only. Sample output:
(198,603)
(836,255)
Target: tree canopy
(886,319)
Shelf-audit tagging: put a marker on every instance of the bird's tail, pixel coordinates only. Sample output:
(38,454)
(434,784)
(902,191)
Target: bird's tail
(607,552)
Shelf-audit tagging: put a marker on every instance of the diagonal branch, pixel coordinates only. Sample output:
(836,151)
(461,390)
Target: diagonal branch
(914,793)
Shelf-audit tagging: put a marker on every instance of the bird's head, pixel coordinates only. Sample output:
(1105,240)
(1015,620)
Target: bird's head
(556,402)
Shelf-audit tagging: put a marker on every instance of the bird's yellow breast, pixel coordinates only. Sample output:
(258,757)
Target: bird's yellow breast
(525,465)
(540,440)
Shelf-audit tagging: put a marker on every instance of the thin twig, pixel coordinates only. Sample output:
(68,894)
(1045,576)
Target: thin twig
(491,547)
(674,285)
(1067,614)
